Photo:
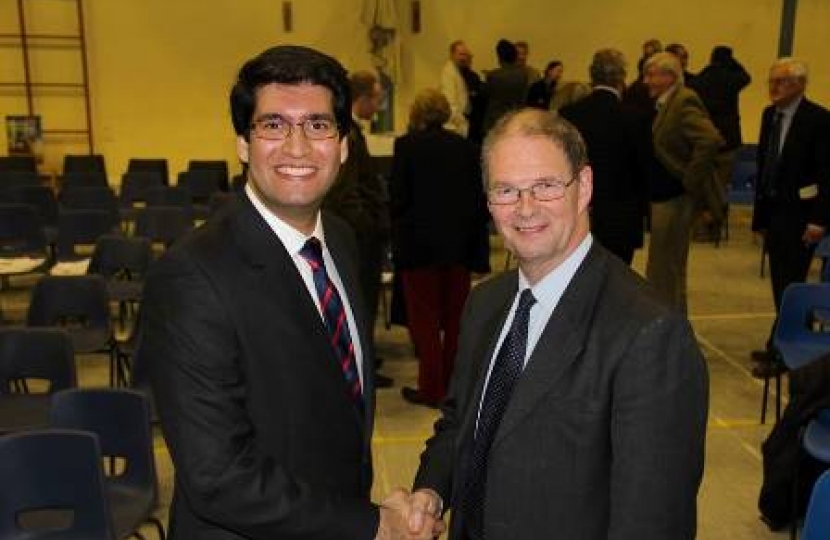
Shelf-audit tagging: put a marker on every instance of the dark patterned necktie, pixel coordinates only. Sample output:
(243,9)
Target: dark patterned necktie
(334,315)
(506,370)
(772,154)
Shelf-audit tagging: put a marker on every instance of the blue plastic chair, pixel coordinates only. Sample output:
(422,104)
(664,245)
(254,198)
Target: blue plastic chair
(47,475)
(817,437)
(27,355)
(121,420)
(817,522)
(795,338)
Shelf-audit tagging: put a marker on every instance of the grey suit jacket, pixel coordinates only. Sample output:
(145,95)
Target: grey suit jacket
(686,142)
(604,435)
(255,409)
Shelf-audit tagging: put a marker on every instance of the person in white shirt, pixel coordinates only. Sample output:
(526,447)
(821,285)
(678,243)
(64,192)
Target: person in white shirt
(455,89)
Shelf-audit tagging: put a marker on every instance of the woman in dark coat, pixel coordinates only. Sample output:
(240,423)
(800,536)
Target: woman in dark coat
(439,236)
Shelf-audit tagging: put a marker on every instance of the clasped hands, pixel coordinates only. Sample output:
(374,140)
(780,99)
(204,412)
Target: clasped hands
(410,516)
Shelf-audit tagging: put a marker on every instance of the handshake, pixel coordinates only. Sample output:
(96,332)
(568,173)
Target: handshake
(416,516)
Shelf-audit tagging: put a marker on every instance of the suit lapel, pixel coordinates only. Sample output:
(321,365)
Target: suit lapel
(665,110)
(284,290)
(561,342)
(796,123)
(486,349)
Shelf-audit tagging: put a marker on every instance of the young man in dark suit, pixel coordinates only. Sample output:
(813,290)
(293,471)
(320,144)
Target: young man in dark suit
(255,334)
(792,203)
(579,400)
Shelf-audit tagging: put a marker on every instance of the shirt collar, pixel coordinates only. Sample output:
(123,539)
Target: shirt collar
(291,238)
(609,89)
(550,288)
(666,96)
(790,109)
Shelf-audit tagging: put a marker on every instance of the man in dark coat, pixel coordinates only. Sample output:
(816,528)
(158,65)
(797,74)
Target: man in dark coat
(618,152)
(792,202)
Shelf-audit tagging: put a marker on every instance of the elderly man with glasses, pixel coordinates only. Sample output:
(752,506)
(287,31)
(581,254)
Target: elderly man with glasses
(578,403)
(682,180)
(792,203)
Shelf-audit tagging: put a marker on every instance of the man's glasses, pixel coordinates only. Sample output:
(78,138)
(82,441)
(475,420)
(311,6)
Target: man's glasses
(277,128)
(780,81)
(544,190)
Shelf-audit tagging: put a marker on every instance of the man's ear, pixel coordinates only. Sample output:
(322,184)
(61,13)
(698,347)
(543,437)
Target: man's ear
(344,149)
(586,186)
(242,148)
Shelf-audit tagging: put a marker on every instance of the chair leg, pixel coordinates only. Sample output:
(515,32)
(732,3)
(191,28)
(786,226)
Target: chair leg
(159,528)
(125,369)
(763,255)
(112,370)
(764,400)
(777,397)
(794,494)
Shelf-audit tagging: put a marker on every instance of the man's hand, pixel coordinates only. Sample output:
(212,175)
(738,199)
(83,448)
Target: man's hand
(423,505)
(813,234)
(398,510)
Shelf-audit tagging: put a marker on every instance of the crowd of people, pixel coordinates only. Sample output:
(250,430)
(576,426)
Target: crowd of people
(556,413)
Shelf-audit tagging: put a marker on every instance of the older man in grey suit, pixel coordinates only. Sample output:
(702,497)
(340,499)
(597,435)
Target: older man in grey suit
(564,419)
(683,180)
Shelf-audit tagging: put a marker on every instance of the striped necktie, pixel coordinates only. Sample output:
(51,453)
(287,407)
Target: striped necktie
(334,315)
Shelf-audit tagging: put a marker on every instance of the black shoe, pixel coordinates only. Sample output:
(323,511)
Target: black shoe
(775,526)
(768,369)
(761,357)
(382,381)
(414,396)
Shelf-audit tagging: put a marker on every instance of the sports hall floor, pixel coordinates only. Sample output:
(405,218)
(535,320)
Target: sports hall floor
(730,307)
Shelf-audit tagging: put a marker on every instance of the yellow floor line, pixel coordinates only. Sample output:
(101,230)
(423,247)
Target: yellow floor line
(728,359)
(719,423)
(405,439)
(732,316)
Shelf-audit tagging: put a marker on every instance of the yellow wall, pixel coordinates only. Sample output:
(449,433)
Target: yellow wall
(160,70)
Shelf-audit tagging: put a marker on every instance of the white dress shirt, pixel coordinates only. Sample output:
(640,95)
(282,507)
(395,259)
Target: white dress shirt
(294,240)
(455,90)
(547,292)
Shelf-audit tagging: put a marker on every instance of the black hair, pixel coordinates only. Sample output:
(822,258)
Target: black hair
(290,64)
(506,52)
(553,64)
(721,55)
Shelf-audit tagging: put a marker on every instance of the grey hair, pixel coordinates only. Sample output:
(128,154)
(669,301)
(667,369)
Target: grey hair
(607,68)
(795,67)
(536,123)
(667,63)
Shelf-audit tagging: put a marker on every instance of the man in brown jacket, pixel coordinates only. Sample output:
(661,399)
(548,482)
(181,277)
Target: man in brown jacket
(683,179)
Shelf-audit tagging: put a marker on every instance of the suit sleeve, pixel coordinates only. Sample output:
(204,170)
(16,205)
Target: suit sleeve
(819,212)
(760,210)
(438,458)
(658,432)
(705,141)
(399,185)
(191,347)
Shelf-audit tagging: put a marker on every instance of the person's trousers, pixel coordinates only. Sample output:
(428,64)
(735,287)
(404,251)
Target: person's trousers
(789,258)
(435,297)
(668,253)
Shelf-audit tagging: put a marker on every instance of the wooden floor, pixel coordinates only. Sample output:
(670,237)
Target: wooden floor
(731,310)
